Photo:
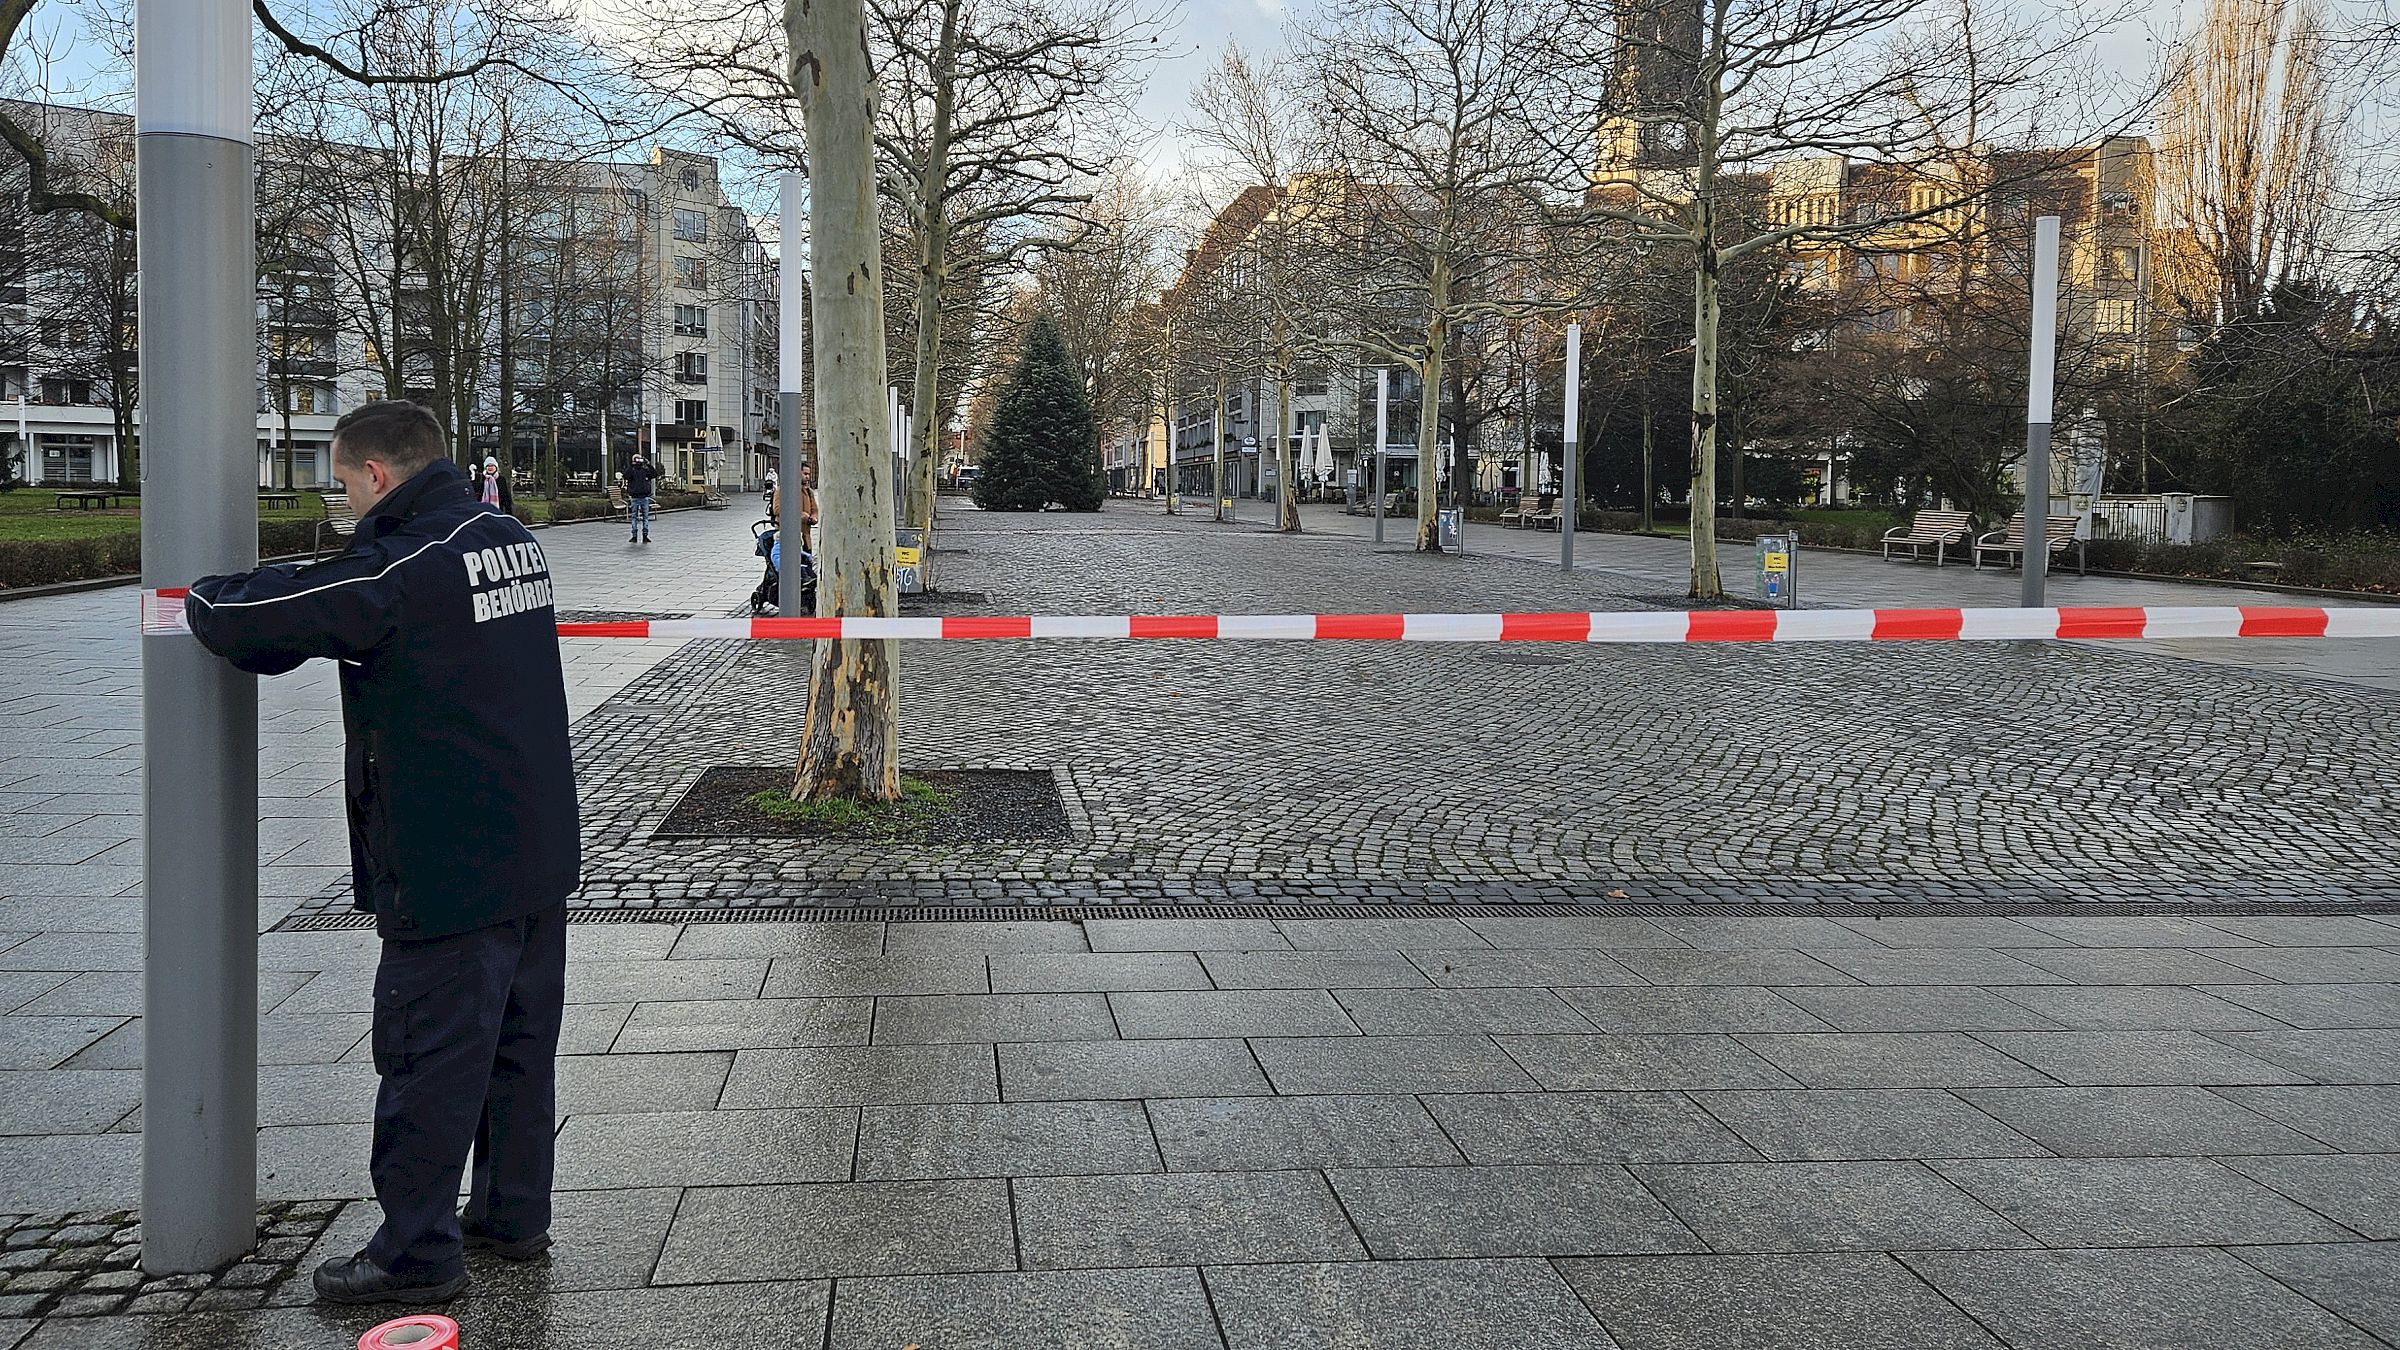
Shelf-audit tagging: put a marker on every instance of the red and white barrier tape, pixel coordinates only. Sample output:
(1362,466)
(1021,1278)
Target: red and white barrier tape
(162,611)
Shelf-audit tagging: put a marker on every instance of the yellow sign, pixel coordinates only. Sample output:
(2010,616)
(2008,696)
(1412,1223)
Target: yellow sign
(906,557)
(1777,562)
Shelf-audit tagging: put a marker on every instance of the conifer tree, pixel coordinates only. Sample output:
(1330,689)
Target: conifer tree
(1038,449)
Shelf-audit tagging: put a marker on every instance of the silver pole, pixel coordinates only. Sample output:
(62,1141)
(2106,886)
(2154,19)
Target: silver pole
(2037,412)
(1383,416)
(790,367)
(199,346)
(1570,505)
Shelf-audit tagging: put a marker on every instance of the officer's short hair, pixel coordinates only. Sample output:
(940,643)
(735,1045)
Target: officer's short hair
(403,435)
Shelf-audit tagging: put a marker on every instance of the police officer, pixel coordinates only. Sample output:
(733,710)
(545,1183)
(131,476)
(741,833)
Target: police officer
(463,836)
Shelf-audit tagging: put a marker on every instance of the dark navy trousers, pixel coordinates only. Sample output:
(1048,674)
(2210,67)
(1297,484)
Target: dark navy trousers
(466,1042)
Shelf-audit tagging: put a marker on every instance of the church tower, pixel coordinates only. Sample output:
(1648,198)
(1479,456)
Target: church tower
(1652,89)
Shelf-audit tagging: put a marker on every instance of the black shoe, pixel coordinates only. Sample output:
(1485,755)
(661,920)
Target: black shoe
(355,1279)
(645,536)
(523,1249)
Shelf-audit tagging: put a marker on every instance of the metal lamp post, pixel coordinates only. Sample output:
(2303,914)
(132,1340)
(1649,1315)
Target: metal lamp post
(2037,412)
(791,309)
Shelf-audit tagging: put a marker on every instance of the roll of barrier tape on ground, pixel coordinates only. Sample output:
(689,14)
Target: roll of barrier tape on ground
(162,612)
(422,1332)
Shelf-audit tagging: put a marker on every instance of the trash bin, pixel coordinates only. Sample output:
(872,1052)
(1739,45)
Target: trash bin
(908,561)
(1777,557)
(1449,529)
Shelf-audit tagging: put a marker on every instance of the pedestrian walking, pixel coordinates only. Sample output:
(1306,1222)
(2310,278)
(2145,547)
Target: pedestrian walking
(771,482)
(491,487)
(640,477)
(464,841)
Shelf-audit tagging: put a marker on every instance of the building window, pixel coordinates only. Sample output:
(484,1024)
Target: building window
(691,320)
(691,412)
(12,382)
(66,391)
(691,226)
(691,273)
(691,180)
(304,398)
(2113,316)
(691,367)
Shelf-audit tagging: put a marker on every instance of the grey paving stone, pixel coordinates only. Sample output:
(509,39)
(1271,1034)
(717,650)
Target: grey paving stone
(662,980)
(605,1240)
(705,1148)
(283,1038)
(590,1028)
(1730,932)
(1095,1070)
(1640,1062)
(2357,1118)
(1184,935)
(1312,970)
(1403,1305)
(2320,1006)
(46,1042)
(1825,1207)
(633,942)
(1377,934)
(1234,1134)
(1964,930)
(1501,1211)
(841,975)
(1231,1013)
(734,941)
(314,1162)
(1428,1012)
(2303,930)
(1943,1059)
(1179,1218)
(1862,1302)
(2360,1191)
(2134,965)
(118,993)
(1562,968)
(1095,972)
(865,1075)
(2134,1007)
(2153,1299)
(52,1174)
(925,1019)
(1584,1127)
(2338,1056)
(1354,1064)
(1690,1008)
(1913,1008)
(2359,1281)
(1568,931)
(71,951)
(613,1084)
(1833,1124)
(2135,1202)
(984,938)
(66,1101)
(744,1024)
(20,987)
(1934,965)
(2133,1058)
(2293,965)
(1131,1309)
(1008,1139)
(1771,969)
(2111,930)
(2126,1122)
(842,1230)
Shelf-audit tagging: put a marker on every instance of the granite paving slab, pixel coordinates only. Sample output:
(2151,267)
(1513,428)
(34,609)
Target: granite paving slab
(2136,1202)
(1505,1211)
(1149,1309)
(844,1229)
(1180,1218)
(2141,1299)
(1402,1305)
(1857,1302)
(1231,1134)
(1826,1207)
(1018,1139)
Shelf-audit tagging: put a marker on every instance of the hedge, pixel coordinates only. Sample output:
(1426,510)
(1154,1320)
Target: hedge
(567,510)
(48,562)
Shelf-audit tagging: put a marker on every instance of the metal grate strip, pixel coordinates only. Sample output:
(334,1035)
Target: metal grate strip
(1077,913)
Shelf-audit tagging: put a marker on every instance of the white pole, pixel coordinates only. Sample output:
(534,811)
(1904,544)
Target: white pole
(195,203)
(2037,412)
(791,325)
(1383,417)
(25,438)
(1570,434)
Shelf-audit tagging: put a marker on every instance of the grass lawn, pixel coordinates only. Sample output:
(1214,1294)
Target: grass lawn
(31,513)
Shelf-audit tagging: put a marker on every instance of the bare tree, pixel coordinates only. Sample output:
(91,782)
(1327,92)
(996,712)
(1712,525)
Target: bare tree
(850,746)
(1095,286)
(2249,153)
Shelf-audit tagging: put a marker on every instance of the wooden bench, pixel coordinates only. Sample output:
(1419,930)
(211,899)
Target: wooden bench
(275,501)
(1941,529)
(1526,504)
(340,521)
(91,499)
(616,501)
(1547,516)
(2010,542)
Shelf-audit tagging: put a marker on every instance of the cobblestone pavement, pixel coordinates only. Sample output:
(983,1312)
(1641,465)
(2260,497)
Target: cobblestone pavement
(1432,1134)
(1325,772)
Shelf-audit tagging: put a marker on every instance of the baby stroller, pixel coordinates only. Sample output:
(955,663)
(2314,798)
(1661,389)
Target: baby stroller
(768,598)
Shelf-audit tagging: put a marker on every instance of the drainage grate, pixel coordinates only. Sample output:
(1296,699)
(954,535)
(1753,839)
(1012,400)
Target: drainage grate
(1077,913)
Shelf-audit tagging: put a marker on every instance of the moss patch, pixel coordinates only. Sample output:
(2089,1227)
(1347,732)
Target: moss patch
(920,808)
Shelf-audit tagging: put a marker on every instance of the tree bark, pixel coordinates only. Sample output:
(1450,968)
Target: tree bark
(1705,582)
(1287,466)
(849,746)
(1217,443)
(1649,456)
(933,276)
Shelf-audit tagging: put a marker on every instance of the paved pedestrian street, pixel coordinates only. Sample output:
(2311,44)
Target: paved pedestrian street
(1453,998)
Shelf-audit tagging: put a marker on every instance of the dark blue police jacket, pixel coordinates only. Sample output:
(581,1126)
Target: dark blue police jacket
(461,784)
